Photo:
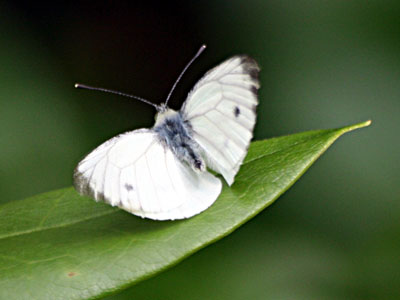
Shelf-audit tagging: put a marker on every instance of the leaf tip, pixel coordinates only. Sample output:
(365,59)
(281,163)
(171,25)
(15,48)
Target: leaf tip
(362,124)
(356,126)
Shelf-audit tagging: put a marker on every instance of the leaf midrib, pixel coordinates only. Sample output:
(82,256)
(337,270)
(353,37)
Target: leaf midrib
(23,232)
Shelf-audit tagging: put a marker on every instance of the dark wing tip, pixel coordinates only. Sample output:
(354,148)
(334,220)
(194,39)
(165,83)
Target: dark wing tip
(78,181)
(81,184)
(250,66)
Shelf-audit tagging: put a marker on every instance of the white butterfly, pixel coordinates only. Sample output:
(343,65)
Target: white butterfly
(160,173)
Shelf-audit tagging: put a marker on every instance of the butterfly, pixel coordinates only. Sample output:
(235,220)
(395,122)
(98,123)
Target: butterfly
(161,173)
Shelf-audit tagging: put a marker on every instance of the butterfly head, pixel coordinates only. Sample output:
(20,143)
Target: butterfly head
(164,112)
(161,108)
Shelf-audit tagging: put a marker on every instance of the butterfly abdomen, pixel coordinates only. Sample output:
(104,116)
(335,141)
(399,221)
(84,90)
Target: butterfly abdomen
(176,134)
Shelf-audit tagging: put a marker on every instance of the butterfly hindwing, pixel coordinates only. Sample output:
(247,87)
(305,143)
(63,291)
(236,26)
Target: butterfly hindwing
(136,172)
(221,109)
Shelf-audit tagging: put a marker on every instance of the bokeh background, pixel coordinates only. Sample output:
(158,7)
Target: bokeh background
(334,235)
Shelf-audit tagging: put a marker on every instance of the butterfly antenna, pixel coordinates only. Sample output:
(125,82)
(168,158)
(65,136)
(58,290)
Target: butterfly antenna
(87,87)
(202,48)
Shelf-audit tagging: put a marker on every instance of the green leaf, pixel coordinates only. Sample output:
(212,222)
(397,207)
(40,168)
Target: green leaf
(61,245)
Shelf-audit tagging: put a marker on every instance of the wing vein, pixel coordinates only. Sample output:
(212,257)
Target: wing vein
(137,189)
(119,186)
(152,180)
(245,86)
(87,185)
(223,132)
(212,144)
(104,179)
(205,112)
(237,102)
(141,155)
(236,120)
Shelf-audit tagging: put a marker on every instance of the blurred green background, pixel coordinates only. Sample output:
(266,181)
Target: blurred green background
(325,64)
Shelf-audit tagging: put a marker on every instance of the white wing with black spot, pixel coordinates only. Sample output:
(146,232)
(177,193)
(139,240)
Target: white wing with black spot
(136,172)
(221,110)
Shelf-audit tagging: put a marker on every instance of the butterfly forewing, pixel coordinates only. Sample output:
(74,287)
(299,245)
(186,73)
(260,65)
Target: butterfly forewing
(141,175)
(221,110)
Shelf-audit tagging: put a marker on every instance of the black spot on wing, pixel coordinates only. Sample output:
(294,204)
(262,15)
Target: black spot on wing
(236,111)
(128,187)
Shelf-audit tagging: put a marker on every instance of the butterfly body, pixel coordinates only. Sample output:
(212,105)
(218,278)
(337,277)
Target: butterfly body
(161,173)
(176,133)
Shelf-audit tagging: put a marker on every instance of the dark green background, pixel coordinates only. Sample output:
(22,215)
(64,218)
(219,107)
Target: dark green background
(334,235)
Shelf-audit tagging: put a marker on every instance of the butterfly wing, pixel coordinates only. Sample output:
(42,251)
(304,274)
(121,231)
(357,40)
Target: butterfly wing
(221,109)
(136,172)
